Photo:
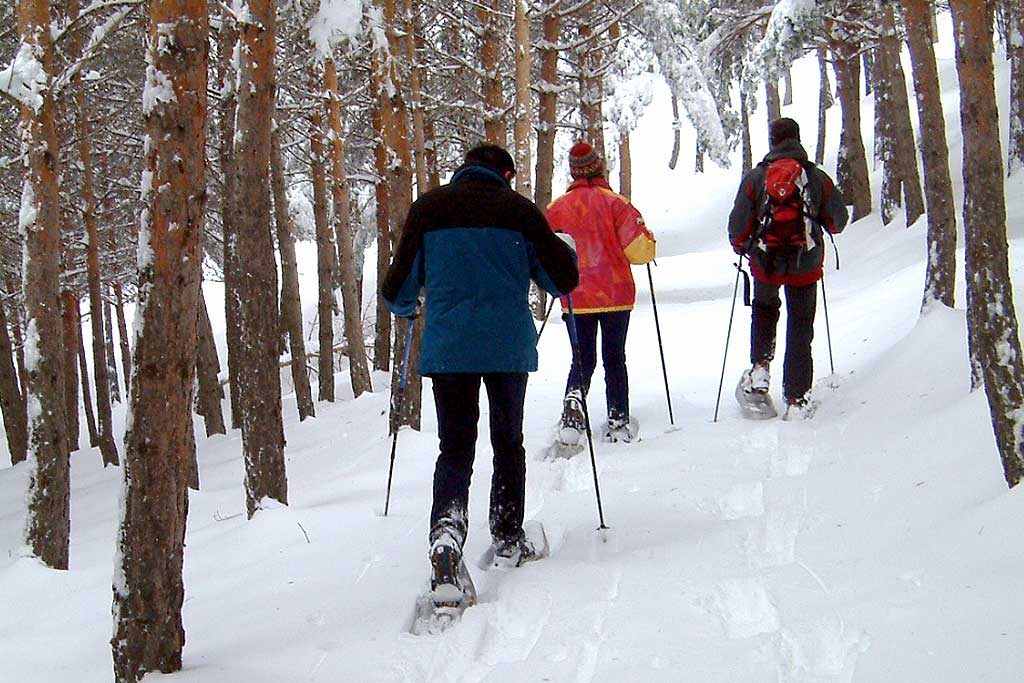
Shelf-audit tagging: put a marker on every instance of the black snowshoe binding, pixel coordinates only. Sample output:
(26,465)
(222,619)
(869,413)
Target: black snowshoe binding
(451,589)
(620,429)
(509,553)
(800,409)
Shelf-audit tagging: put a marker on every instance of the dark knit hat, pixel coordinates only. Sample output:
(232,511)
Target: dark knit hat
(783,129)
(584,161)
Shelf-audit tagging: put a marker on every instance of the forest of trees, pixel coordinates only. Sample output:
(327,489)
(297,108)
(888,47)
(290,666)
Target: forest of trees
(166,142)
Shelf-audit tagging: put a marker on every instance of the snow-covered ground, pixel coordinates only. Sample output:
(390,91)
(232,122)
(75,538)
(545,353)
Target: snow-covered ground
(877,543)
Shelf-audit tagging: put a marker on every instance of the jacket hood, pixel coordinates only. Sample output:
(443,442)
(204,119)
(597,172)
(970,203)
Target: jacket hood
(787,149)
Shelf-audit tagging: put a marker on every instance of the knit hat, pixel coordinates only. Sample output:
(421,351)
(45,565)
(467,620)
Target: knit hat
(584,161)
(783,129)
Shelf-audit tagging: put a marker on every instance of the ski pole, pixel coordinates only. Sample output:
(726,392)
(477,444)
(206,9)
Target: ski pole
(574,339)
(728,334)
(828,330)
(544,323)
(403,377)
(661,348)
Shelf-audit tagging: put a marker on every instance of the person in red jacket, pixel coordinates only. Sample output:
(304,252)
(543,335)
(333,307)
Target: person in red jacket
(610,236)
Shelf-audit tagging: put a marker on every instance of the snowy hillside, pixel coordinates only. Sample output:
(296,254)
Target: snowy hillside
(877,543)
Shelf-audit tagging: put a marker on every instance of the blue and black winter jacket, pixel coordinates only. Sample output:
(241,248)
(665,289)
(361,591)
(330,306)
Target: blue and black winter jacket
(474,245)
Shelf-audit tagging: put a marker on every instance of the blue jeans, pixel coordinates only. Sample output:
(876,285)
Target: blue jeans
(613,326)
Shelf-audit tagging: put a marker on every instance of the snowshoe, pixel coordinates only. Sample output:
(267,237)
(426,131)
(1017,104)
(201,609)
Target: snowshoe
(451,590)
(800,409)
(573,426)
(620,429)
(505,554)
(752,394)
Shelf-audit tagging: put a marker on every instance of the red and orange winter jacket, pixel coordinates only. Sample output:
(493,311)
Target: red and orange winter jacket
(610,235)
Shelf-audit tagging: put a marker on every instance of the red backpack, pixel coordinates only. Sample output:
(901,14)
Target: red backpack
(783,228)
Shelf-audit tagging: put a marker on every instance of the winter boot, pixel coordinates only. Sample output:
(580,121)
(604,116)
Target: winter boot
(514,552)
(573,425)
(760,379)
(752,392)
(620,429)
(798,409)
(446,582)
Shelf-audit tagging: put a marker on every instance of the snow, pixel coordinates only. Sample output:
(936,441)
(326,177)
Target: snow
(24,78)
(876,543)
(334,22)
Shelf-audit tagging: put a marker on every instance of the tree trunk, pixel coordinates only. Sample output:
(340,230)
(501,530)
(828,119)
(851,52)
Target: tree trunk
(522,115)
(101,365)
(415,95)
(148,587)
(852,175)
(233,270)
(207,371)
(1015,155)
(260,378)
(698,158)
(108,338)
(90,416)
(491,81)
(994,335)
(940,271)
(48,525)
(625,166)
(12,402)
(70,324)
(894,134)
(382,324)
(325,260)
(291,304)
(122,333)
(771,100)
(787,79)
(824,104)
(591,84)
(14,287)
(547,105)
(677,126)
(359,373)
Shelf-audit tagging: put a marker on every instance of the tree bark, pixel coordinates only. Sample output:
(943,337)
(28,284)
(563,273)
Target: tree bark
(677,126)
(787,79)
(148,586)
(547,104)
(122,333)
(70,324)
(522,115)
(359,373)
(771,100)
(1015,50)
(260,380)
(825,102)
(591,84)
(894,134)
(14,286)
(207,371)
(940,271)
(491,81)
(291,304)
(233,270)
(48,525)
(90,416)
(410,30)
(382,325)
(12,402)
(746,150)
(994,335)
(625,166)
(852,174)
(108,337)
(325,260)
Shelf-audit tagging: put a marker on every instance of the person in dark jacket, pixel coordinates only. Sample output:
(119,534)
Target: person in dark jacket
(474,245)
(798,270)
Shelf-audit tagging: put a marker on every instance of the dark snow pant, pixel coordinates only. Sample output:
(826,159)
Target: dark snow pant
(457,398)
(798,367)
(613,326)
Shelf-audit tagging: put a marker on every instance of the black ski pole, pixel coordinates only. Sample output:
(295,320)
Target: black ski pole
(544,323)
(403,377)
(574,339)
(828,330)
(661,348)
(728,334)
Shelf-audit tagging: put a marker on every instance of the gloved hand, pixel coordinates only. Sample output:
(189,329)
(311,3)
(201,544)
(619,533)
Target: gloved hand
(738,249)
(567,238)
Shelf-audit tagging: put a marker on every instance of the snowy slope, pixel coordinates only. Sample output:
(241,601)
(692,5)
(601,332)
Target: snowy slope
(876,544)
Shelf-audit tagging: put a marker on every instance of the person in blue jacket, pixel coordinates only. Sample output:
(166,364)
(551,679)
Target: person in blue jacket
(474,245)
